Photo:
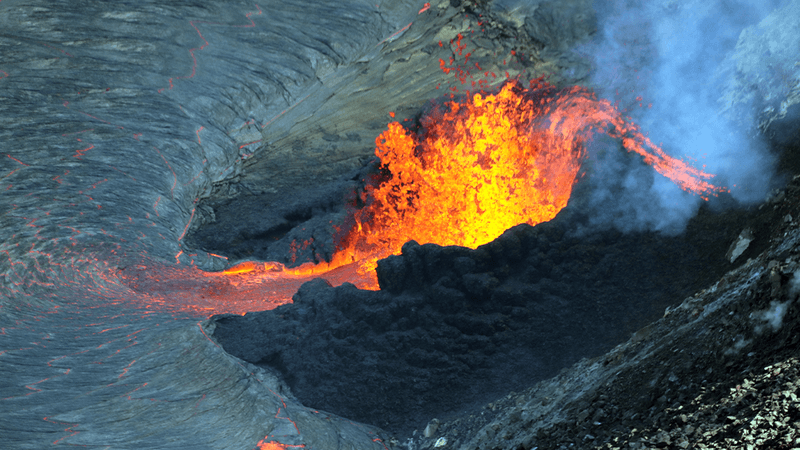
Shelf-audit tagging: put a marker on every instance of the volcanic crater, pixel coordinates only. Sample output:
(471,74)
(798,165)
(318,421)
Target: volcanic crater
(166,163)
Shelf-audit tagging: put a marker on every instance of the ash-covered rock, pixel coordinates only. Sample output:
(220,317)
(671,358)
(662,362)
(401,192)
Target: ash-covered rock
(299,227)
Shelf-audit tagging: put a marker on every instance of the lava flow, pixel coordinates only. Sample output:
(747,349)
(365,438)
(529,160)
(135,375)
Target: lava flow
(474,168)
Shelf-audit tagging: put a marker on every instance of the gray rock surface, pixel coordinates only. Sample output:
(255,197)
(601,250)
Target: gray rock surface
(117,118)
(765,69)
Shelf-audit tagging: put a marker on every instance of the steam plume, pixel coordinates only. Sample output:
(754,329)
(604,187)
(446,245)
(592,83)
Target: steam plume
(662,62)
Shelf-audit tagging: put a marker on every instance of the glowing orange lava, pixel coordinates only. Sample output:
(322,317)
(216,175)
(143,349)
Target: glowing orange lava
(493,161)
(271,445)
(479,168)
(475,168)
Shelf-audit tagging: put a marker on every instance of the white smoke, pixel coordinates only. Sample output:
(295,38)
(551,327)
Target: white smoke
(773,316)
(663,62)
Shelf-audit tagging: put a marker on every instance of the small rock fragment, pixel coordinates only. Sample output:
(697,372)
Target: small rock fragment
(431,428)
(740,245)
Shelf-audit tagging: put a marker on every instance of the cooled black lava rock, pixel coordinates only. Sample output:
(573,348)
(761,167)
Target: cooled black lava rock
(391,359)
(454,328)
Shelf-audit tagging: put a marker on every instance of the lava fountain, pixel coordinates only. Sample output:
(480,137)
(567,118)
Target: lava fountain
(480,166)
(475,167)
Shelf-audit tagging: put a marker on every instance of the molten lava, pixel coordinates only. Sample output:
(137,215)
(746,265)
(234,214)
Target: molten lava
(474,168)
(482,165)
